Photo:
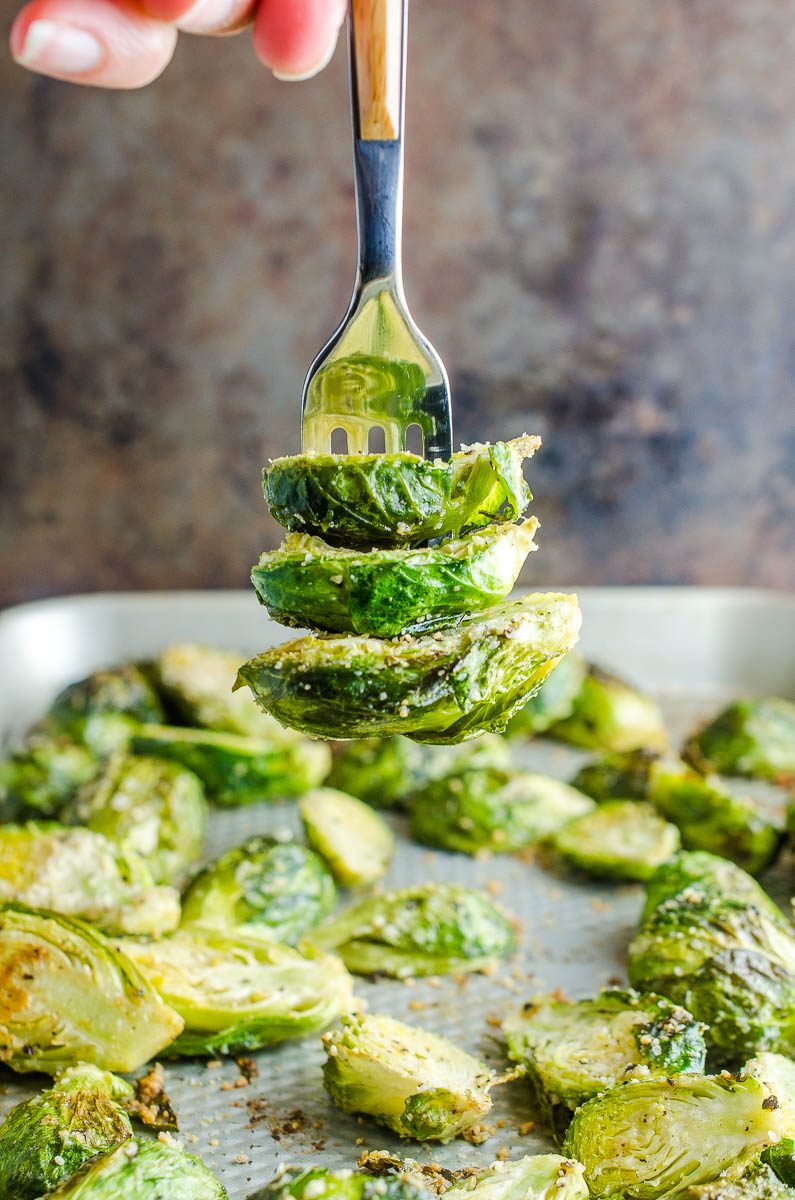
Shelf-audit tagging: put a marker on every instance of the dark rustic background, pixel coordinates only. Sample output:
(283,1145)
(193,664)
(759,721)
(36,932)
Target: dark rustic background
(600,240)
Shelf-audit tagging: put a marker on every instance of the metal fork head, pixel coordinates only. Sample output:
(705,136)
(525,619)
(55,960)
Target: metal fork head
(378,372)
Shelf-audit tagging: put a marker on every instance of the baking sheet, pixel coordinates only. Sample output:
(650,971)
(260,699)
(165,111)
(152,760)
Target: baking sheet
(691,647)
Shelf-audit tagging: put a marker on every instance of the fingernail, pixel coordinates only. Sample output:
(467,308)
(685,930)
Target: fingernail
(210,16)
(298,76)
(58,48)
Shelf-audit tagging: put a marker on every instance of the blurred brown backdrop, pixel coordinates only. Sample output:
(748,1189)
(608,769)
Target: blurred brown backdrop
(600,240)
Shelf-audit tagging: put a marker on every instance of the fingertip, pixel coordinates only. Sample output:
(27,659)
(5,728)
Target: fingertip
(296,38)
(110,45)
(201,16)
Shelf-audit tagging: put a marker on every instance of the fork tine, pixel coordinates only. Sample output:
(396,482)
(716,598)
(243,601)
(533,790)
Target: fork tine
(357,438)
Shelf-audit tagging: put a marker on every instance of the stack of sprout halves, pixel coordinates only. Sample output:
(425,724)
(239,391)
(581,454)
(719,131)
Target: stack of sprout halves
(402,568)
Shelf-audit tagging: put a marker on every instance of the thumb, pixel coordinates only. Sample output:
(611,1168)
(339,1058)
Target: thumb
(296,38)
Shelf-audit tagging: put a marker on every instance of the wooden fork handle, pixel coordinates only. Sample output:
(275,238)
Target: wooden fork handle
(378,30)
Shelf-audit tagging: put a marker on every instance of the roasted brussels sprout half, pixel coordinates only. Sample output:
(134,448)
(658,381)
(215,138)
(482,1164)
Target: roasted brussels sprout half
(41,777)
(151,807)
(758,1182)
(575,1050)
(621,839)
(69,995)
(730,963)
(367,500)
(351,837)
(265,888)
(488,809)
(710,874)
(197,681)
(440,687)
(414,1082)
(432,929)
(325,1184)
(47,1138)
(386,772)
(749,737)
(238,994)
(80,873)
(654,1138)
(536,1177)
(614,776)
(140,1170)
(708,815)
(609,714)
(237,770)
(713,818)
(554,700)
(383,593)
(103,709)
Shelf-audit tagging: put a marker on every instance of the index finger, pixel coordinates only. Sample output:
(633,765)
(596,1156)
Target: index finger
(296,38)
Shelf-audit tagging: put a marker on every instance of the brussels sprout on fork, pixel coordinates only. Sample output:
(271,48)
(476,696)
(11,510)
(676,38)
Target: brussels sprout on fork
(441,687)
(366,500)
(383,593)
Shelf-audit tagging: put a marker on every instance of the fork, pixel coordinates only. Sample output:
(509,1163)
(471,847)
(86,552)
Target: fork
(378,379)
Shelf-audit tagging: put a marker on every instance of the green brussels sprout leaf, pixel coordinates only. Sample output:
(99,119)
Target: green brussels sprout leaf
(441,687)
(41,777)
(387,772)
(609,714)
(485,808)
(237,770)
(553,702)
(781,1159)
(535,1177)
(621,839)
(708,874)
(320,1183)
(263,889)
(103,709)
(711,817)
(777,1073)
(197,682)
(731,963)
(654,1138)
(142,1171)
(47,1138)
(572,1051)
(150,807)
(622,776)
(749,737)
(414,1082)
(70,996)
(432,929)
(239,994)
(80,873)
(351,837)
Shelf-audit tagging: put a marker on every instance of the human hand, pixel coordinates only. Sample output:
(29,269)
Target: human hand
(127,43)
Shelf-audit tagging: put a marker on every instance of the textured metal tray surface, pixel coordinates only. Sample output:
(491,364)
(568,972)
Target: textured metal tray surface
(693,648)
